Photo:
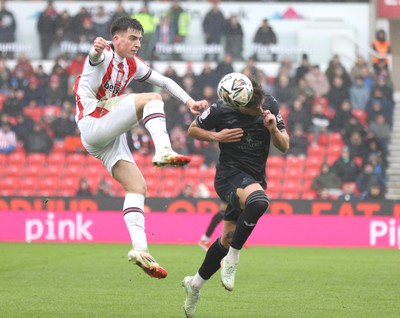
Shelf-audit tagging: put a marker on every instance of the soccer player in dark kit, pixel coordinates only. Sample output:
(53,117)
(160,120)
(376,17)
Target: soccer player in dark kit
(244,136)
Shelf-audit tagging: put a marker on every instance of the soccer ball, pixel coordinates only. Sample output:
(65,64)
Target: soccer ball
(235,90)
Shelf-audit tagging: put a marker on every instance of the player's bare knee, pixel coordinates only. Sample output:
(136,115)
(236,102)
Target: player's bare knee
(226,239)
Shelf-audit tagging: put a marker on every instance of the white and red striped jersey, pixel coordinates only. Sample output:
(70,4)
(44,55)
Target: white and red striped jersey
(106,79)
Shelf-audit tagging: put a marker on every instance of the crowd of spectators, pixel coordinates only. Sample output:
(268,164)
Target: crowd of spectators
(62,32)
(37,108)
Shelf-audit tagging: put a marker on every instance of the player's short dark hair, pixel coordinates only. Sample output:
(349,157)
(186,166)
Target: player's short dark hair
(258,95)
(125,23)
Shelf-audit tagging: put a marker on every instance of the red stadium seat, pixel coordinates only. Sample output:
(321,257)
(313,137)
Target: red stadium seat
(335,138)
(171,174)
(147,160)
(168,193)
(76,159)
(53,170)
(36,158)
(308,195)
(58,147)
(274,184)
(90,160)
(7,192)
(35,113)
(16,158)
(70,182)
(152,193)
(273,172)
(208,173)
(292,161)
(316,150)
(311,172)
(56,158)
(48,192)
(276,161)
(66,192)
(331,159)
(51,110)
(152,184)
(314,161)
(3,159)
(10,182)
(151,171)
(115,186)
(139,159)
(273,194)
(290,195)
(14,169)
(196,160)
(48,183)
(334,150)
(26,192)
(27,185)
(293,173)
(191,173)
(33,170)
(361,115)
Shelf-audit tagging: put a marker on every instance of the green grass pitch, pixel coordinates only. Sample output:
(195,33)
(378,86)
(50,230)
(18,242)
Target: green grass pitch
(96,280)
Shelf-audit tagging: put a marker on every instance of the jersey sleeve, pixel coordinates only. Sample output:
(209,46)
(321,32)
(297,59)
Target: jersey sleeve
(273,106)
(142,71)
(208,120)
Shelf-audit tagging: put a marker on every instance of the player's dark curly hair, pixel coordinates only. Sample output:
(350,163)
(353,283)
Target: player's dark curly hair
(125,23)
(258,95)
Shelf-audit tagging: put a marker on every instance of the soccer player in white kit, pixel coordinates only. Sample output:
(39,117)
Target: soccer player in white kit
(104,115)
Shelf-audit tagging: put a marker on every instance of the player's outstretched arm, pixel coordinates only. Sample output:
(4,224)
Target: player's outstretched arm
(224,136)
(176,91)
(196,106)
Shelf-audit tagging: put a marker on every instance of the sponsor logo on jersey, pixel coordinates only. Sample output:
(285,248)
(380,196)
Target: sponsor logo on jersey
(111,88)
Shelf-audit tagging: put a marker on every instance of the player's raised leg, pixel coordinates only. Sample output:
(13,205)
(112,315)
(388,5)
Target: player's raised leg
(153,114)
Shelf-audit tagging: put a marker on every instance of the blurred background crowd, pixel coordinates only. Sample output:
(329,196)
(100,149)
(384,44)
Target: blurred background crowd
(340,119)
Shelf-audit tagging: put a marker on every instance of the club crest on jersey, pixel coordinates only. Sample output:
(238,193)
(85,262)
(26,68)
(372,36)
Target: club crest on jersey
(113,89)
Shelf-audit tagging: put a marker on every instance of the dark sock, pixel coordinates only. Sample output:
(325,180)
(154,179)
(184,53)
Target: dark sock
(212,261)
(256,205)
(217,218)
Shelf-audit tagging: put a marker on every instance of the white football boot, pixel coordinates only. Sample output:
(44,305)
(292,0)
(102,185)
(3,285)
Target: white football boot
(228,272)
(192,297)
(170,157)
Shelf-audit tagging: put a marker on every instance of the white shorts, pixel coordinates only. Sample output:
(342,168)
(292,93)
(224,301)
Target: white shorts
(103,131)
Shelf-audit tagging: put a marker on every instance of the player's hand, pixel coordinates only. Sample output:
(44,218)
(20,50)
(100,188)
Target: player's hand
(100,44)
(269,120)
(229,135)
(197,106)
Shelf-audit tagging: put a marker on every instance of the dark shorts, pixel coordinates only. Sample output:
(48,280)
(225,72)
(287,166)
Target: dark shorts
(227,181)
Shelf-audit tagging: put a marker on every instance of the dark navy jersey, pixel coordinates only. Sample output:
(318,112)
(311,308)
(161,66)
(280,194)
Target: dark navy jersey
(251,152)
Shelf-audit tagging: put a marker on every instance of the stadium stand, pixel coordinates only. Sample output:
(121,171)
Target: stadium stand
(58,173)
